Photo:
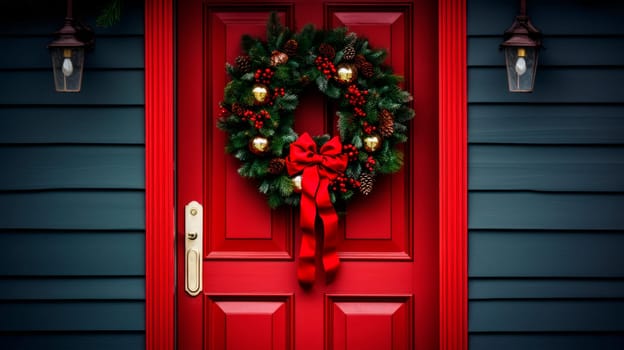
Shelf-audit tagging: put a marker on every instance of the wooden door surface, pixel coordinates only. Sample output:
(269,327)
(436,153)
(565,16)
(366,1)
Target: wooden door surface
(384,295)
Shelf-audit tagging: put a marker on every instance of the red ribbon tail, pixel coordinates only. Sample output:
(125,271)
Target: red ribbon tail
(329,217)
(306,270)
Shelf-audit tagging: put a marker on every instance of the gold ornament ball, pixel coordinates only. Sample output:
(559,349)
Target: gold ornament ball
(296,181)
(346,73)
(260,93)
(259,145)
(372,143)
(278,58)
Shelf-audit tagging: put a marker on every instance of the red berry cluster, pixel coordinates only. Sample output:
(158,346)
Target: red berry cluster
(370,163)
(223,112)
(368,128)
(263,76)
(247,115)
(278,92)
(356,98)
(359,112)
(326,66)
(257,118)
(343,183)
(350,151)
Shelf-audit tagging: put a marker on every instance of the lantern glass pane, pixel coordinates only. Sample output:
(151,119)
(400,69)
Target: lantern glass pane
(521,65)
(67,63)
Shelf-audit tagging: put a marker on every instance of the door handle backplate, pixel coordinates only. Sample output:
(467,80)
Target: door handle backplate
(193,247)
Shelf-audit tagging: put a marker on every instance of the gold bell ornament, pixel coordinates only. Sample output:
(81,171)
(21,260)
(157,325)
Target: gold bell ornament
(259,145)
(346,73)
(260,93)
(372,143)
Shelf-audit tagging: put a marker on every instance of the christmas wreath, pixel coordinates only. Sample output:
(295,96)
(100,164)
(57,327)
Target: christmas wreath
(318,173)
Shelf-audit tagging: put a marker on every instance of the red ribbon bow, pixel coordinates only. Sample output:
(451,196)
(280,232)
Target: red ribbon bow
(318,170)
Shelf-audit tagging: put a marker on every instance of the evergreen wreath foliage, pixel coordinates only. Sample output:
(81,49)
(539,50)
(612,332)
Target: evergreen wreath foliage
(359,104)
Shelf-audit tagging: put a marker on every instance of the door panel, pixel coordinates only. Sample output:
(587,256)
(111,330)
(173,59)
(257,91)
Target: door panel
(379,226)
(240,222)
(251,298)
(364,322)
(265,322)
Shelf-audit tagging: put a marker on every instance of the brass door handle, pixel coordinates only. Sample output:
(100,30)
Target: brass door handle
(193,247)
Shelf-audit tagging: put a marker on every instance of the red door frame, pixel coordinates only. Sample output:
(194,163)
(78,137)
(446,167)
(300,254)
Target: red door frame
(160,186)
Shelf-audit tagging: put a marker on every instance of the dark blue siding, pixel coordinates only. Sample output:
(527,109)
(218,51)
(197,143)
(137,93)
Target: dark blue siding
(546,124)
(66,341)
(72,256)
(568,341)
(546,185)
(106,124)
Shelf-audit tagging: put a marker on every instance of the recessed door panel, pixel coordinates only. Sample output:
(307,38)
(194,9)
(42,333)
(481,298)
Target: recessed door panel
(240,223)
(369,322)
(378,226)
(249,322)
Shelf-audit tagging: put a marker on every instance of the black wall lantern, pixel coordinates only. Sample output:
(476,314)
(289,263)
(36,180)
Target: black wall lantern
(68,53)
(522,44)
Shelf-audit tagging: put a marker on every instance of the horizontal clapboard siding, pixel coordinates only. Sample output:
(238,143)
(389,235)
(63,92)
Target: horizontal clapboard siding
(545,211)
(78,287)
(546,254)
(99,87)
(593,51)
(74,210)
(546,194)
(586,341)
(70,315)
(74,340)
(84,253)
(553,85)
(72,240)
(546,124)
(72,124)
(553,17)
(546,316)
(591,169)
(544,288)
(32,18)
(76,166)
(105,55)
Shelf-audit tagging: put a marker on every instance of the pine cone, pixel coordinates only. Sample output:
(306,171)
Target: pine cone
(238,109)
(386,123)
(276,165)
(290,48)
(349,53)
(327,50)
(367,70)
(366,183)
(359,60)
(243,63)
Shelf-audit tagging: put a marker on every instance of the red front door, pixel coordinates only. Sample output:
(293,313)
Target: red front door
(385,293)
